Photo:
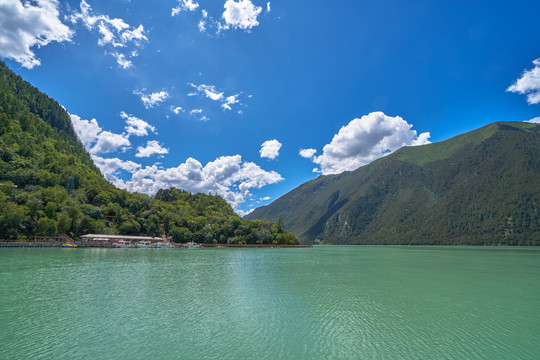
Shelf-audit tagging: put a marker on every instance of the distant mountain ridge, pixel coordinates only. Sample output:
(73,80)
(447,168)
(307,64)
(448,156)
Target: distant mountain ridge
(482,188)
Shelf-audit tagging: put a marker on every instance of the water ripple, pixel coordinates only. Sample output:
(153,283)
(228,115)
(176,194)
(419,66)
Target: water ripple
(320,303)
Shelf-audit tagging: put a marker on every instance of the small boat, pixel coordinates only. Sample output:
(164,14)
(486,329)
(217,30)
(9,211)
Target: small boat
(192,245)
(70,245)
(163,245)
(144,244)
(122,244)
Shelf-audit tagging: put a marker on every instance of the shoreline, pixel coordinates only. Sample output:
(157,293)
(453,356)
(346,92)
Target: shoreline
(95,244)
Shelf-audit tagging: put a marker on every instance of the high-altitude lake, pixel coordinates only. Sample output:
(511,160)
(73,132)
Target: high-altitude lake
(326,302)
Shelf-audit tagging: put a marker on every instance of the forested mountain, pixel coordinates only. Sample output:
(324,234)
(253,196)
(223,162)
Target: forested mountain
(49,185)
(481,188)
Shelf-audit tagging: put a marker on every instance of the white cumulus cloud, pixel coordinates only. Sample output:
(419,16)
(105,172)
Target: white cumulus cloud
(230,100)
(529,84)
(177,109)
(87,130)
(212,93)
(198,112)
(107,142)
(152,147)
(152,99)
(270,149)
(122,61)
(184,5)
(202,26)
(535,120)
(237,14)
(207,90)
(137,34)
(136,126)
(243,213)
(366,139)
(25,25)
(307,153)
(95,140)
(240,14)
(115,32)
(111,166)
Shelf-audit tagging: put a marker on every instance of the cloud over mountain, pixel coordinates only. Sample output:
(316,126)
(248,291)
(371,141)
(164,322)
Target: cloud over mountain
(98,141)
(87,130)
(95,140)
(107,142)
(228,176)
(535,120)
(112,165)
(364,140)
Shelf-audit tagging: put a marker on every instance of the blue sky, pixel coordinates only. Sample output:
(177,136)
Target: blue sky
(249,99)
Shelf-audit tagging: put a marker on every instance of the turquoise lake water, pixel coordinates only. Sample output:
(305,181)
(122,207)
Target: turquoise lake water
(326,302)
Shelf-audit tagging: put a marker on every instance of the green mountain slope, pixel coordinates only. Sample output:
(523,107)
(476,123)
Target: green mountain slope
(482,187)
(49,185)
(38,145)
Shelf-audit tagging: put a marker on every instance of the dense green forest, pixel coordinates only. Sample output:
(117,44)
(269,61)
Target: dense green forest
(479,188)
(49,185)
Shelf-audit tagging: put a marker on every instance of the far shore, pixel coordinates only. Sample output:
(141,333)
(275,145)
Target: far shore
(107,244)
